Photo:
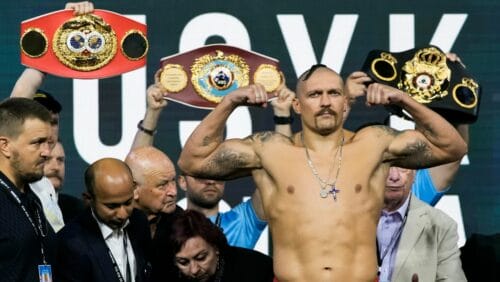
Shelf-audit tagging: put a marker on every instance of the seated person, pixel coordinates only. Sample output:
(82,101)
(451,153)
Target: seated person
(198,251)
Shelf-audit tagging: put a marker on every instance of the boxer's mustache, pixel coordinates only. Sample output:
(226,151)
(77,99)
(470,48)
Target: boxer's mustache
(326,110)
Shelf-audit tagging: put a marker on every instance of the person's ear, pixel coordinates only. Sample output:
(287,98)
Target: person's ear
(296,105)
(5,146)
(347,105)
(181,180)
(136,194)
(87,198)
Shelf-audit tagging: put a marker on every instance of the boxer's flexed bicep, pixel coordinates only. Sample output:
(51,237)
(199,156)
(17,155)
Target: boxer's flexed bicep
(407,148)
(434,142)
(234,157)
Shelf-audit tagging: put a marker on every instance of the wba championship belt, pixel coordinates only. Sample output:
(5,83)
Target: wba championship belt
(97,45)
(201,77)
(427,76)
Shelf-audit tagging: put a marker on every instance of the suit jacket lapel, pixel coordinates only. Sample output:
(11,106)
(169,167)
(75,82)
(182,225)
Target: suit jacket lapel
(97,246)
(413,229)
(135,241)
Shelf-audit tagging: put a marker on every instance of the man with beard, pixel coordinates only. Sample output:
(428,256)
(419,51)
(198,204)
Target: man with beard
(25,236)
(110,241)
(242,225)
(44,188)
(28,86)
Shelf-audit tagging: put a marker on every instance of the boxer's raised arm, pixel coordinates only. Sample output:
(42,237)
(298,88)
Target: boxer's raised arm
(435,142)
(207,155)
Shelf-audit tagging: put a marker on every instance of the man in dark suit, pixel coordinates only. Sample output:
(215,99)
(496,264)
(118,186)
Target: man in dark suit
(110,241)
(25,235)
(156,193)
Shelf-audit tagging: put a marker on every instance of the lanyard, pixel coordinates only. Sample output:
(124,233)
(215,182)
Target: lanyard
(38,229)
(394,237)
(115,265)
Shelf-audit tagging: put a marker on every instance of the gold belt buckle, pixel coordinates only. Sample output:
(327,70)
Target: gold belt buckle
(430,78)
(202,77)
(96,45)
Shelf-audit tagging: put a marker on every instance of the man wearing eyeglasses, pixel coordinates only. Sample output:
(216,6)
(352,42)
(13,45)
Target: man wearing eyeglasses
(414,238)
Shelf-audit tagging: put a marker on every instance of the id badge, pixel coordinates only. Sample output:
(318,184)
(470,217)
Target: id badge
(45,273)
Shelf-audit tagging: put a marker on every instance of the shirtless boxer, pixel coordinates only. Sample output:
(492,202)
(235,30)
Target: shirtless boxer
(322,196)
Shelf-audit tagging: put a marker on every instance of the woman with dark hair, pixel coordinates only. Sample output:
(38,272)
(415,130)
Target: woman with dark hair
(199,251)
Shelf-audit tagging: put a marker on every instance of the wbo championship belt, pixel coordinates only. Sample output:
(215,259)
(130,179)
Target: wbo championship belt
(430,78)
(96,45)
(201,77)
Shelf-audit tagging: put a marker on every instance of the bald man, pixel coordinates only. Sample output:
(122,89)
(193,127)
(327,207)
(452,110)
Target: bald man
(156,196)
(242,225)
(156,192)
(110,241)
(414,237)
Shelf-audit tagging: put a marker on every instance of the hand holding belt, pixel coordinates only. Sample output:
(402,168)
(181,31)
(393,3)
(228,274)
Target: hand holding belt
(97,45)
(201,77)
(427,76)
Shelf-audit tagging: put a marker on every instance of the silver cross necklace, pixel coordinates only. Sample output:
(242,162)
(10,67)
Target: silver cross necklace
(324,192)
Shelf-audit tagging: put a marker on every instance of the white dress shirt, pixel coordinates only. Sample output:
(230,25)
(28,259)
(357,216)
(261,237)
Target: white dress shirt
(45,191)
(115,242)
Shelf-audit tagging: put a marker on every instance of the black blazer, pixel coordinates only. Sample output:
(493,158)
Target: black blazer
(241,265)
(82,254)
(71,207)
(163,270)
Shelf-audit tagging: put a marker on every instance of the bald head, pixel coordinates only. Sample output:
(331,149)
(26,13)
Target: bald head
(103,174)
(144,159)
(155,175)
(111,187)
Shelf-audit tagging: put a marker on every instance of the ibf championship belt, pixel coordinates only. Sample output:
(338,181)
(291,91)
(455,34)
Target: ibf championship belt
(200,78)
(96,45)
(430,78)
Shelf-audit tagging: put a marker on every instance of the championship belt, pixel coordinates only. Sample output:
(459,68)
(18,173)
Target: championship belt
(427,76)
(97,45)
(201,77)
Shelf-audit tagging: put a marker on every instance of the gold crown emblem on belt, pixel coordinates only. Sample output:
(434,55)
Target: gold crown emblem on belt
(426,76)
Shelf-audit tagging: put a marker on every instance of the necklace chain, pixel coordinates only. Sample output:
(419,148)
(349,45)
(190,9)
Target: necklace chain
(323,184)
